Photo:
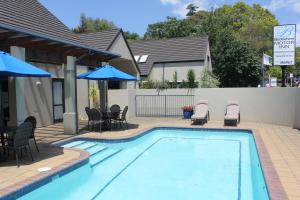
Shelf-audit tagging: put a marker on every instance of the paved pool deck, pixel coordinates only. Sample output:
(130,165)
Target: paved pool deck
(282,143)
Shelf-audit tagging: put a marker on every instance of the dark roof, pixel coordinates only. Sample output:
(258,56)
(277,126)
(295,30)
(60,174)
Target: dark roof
(32,18)
(101,40)
(170,50)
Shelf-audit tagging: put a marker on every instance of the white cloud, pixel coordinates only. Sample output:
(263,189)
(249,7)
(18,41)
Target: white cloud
(279,4)
(173,2)
(179,6)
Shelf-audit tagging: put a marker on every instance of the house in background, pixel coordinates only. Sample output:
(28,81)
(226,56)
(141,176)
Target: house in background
(114,41)
(159,59)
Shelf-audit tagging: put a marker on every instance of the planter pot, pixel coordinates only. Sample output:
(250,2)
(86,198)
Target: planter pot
(187,114)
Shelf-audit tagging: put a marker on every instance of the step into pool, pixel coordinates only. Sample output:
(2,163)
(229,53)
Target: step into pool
(164,163)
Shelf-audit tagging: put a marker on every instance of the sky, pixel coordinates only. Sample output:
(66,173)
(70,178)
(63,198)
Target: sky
(135,15)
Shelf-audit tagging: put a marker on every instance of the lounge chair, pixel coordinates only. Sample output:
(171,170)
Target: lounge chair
(232,115)
(201,112)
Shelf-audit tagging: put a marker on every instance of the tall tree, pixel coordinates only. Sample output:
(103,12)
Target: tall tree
(252,24)
(170,28)
(191,9)
(234,62)
(88,24)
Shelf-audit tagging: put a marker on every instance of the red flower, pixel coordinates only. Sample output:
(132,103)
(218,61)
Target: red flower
(187,108)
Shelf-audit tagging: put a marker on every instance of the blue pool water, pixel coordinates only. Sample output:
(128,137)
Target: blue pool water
(183,164)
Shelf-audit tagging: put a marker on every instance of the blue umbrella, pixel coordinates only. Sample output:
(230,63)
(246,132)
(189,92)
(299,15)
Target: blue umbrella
(11,66)
(107,72)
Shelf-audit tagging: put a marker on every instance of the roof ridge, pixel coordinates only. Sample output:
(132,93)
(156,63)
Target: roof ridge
(93,32)
(168,39)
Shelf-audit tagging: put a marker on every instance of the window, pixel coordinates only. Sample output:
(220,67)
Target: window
(143,59)
(137,58)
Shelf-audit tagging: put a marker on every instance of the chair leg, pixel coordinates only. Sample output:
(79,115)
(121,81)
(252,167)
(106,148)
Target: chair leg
(36,146)
(30,152)
(126,124)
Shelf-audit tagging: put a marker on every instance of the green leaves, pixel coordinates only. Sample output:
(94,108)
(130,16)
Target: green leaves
(88,24)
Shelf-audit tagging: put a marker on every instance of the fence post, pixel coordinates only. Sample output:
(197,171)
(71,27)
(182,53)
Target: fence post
(165,105)
(136,105)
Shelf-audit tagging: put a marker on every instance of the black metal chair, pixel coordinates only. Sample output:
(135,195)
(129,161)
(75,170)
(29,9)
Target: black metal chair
(96,117)
(32,120)
(20,140)
(122,119)
(88,113)
(115,111)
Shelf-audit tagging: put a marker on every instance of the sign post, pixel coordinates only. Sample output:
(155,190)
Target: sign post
(284,47)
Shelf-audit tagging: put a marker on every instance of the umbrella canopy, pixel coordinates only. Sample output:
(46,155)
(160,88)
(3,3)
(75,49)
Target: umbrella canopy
(11,66)
(107,72)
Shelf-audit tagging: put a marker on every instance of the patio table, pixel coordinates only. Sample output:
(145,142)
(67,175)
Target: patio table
(3,130)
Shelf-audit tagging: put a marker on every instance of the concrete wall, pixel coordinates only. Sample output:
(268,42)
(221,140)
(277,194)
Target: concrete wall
(123,98)
(168,69)
(38,94)
(267,105)
(297,111)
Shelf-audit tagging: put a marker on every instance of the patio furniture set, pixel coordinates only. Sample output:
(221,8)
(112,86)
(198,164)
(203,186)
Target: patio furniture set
(232,113)
(16,139)
(107,118)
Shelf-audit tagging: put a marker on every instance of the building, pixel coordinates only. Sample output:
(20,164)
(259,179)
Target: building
(31,33)
(158,60)
(114,41)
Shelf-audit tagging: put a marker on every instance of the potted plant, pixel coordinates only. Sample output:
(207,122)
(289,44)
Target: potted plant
(187,112)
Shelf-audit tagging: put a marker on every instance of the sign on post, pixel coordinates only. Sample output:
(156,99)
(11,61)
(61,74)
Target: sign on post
(273,82)
(284,45)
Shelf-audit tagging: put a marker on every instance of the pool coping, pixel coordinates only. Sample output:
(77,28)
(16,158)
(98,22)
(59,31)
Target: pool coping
(23,187)
(274,186)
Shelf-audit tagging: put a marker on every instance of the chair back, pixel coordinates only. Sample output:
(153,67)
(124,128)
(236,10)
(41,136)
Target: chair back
(32,120)
(115,111)
(88,113)
(96,114)
(123,116)
(22,134)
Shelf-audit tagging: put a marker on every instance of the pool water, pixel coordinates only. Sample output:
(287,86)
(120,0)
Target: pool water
(164,164)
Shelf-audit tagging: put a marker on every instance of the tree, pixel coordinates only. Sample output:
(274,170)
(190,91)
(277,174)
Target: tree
(191,9)
(175,79)
(251,24)
(170,28)
(275,72)
(208,80)
(131,36)
(88,24)
(191,78)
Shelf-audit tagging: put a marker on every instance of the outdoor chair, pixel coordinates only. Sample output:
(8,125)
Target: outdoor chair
(201,112)
(232,115)
(115,111)
(88,113)
(122,119)
(96,117)
(20,140)
(32,120)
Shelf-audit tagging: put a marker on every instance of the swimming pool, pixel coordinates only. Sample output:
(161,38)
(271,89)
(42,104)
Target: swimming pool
(165,163)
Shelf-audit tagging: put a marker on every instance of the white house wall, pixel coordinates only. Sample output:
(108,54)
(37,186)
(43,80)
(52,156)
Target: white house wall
(38,94)
(168,69)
